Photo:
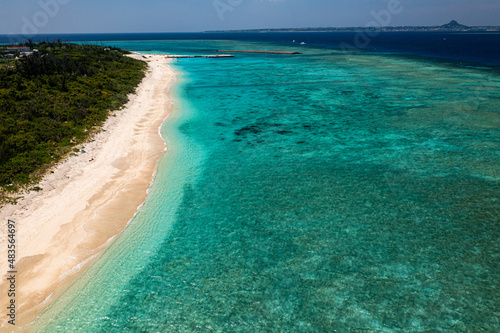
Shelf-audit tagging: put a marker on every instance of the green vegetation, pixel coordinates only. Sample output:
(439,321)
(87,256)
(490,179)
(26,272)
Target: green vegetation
(4,62)
(7,63)
(52,101)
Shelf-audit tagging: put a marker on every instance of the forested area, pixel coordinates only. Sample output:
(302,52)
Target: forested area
(52,101)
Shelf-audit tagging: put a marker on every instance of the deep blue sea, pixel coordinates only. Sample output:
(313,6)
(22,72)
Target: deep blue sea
(338,190)
(478,47)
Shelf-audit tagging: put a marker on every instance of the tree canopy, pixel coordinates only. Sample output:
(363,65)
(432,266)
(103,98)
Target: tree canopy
(53,100)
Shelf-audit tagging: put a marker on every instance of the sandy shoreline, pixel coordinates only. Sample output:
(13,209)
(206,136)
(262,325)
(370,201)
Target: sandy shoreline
(86,202)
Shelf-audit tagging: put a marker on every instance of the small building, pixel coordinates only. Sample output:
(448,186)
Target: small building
(9,56)
(20,48)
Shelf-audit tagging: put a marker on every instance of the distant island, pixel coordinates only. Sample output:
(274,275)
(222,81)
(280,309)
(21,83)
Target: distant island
(452,26)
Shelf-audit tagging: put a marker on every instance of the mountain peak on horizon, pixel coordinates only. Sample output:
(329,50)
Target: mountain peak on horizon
(454,24)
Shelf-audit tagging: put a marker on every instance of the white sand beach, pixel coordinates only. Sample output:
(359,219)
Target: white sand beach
(87,201)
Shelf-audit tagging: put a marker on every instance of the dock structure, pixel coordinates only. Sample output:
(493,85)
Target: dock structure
(257,51)
(226,55)
(174,56)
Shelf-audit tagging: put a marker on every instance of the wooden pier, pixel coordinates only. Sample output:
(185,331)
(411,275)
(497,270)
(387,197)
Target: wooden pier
(226,55)
(174,56)
(257,51)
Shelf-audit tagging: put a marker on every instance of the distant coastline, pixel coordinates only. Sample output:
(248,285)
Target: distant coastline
(453,26)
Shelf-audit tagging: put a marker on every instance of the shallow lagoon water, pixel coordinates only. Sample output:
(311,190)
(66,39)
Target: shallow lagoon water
(314,193)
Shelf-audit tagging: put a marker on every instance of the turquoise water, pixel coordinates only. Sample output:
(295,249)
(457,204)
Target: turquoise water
(316,193)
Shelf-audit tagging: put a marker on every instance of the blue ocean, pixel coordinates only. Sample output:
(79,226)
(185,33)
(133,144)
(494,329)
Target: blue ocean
(336,190)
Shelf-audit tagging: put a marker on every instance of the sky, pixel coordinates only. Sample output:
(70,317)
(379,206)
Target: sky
(115,16)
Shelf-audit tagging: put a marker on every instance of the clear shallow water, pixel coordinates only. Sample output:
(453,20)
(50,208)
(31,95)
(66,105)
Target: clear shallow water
(311,193)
